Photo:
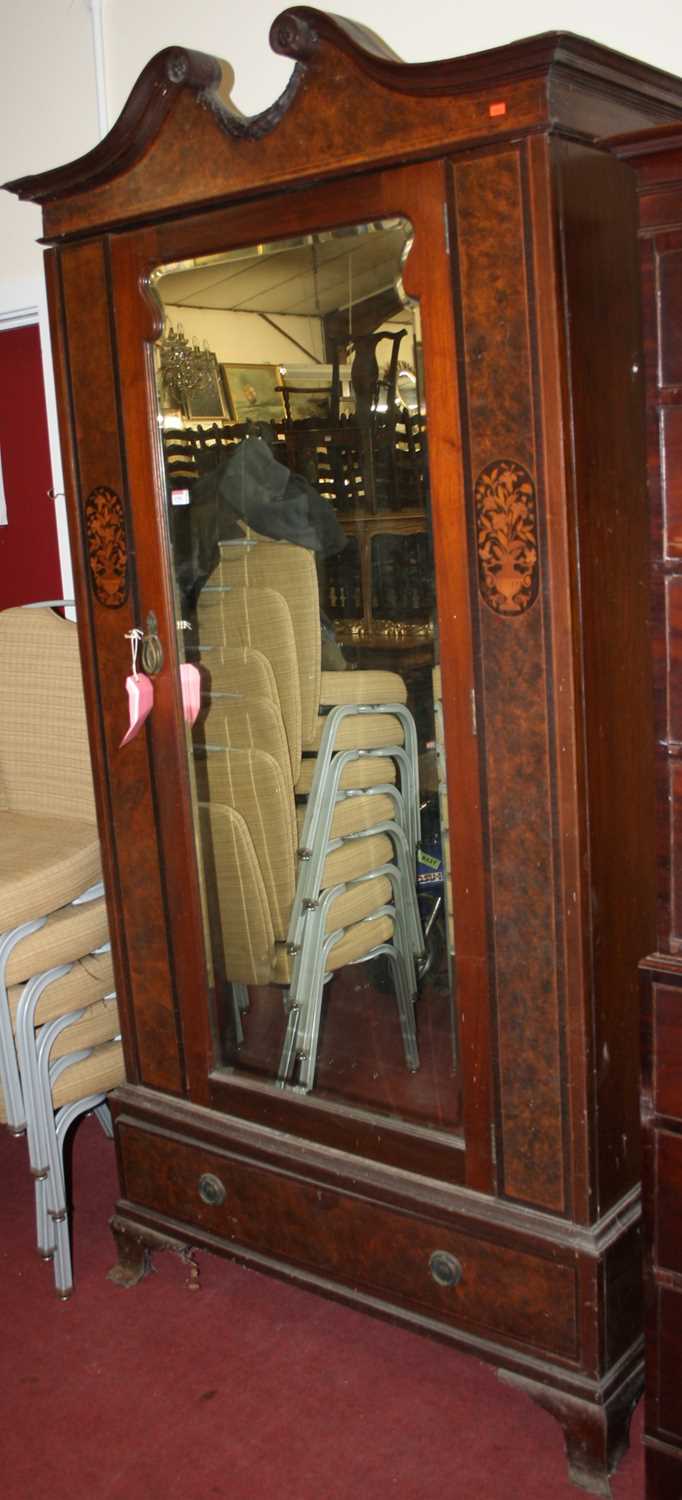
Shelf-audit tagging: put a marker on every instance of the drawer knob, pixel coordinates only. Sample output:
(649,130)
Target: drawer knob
(211,1189)
(445,1269)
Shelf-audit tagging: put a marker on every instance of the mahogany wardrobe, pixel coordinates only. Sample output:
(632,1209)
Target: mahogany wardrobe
(227,297)
(656,157)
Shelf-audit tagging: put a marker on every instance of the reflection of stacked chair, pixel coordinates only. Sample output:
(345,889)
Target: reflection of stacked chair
(331,882)
(55,969)
(444,814)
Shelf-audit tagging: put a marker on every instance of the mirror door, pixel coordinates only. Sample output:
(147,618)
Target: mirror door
(304,431)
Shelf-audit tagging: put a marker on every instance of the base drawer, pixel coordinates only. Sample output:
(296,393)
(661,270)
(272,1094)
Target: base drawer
(446,1273)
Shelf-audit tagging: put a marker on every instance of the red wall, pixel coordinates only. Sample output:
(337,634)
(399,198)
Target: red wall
(29,558)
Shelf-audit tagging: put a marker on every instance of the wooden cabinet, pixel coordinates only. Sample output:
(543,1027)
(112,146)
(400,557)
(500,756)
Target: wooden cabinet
(499,1207)
(657,159)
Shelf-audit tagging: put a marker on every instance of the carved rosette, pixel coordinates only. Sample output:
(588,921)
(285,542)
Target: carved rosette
(105,530)
(506,537)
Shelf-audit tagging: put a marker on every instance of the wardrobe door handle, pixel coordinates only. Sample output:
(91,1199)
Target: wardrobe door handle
(152,650)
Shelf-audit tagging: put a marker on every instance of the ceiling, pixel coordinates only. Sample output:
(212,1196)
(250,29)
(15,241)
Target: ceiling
(311,277)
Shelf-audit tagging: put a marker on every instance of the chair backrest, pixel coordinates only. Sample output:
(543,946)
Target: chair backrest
(260,619)
(252,723)
(260,563)
(44,754)
(238,669)
(237,900)
(251,782)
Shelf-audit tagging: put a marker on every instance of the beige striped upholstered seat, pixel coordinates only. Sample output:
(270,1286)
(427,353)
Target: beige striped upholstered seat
(49,856)
(90,978)
(44,862)
(357,775)
(49,850)
(66,935)
(99,1023)
(44,755)
(99,1073)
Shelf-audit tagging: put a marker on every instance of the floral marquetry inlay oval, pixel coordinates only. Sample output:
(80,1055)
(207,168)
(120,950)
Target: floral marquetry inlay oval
(506,537)
(105,530)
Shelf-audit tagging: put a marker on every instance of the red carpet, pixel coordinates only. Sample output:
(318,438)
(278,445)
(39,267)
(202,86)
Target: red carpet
(245,1389)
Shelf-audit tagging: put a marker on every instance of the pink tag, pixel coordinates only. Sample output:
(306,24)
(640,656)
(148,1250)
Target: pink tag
(190,683)
(140,691)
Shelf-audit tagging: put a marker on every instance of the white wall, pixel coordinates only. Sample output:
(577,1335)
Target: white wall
(48,111)
(244,338)
(48,95)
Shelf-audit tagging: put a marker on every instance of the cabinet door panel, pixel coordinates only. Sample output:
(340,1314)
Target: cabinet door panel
(667,1055)
(669,1345)
(669,265)
(669,1201)
(514,666)
(671,477)
(104,563)
(418,195)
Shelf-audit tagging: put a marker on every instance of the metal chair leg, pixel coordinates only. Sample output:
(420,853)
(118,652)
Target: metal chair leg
(9,1068)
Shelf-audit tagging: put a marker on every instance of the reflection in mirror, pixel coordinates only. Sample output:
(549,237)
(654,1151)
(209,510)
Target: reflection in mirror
(293,422)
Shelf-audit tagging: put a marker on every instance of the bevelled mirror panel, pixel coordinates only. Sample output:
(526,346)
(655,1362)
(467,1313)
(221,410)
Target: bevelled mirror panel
(294,420)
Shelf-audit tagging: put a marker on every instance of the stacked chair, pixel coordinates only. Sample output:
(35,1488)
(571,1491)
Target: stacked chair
(60,1048)
(308,798)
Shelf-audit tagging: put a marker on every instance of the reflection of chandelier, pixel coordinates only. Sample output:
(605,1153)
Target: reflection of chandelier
(184,366)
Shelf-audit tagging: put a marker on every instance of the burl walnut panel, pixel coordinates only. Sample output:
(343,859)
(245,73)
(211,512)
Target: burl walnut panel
(513,646)
(105,565)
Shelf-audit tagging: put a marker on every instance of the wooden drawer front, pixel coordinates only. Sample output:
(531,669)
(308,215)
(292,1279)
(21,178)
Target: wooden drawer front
(503,1293)
(669,1364)
(669,1201)
(671,478)
(670,324)
(668,1050)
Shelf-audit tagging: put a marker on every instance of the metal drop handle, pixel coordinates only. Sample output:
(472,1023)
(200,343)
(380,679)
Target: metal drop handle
(152,651)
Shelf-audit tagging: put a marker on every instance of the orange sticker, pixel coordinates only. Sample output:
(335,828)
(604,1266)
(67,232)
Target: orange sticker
(497,109)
